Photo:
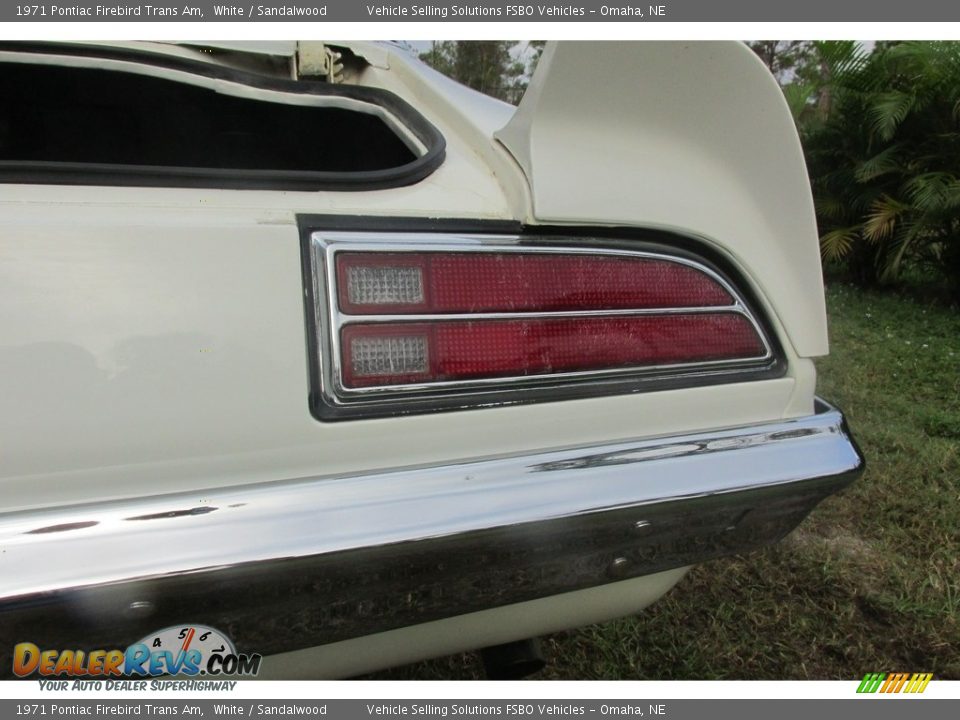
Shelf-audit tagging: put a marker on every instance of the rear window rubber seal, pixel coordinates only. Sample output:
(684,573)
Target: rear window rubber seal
(66,173)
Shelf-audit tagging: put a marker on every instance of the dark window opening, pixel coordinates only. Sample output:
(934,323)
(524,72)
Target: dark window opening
(95,126)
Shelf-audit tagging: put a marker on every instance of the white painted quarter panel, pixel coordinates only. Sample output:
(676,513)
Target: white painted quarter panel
(688,136)
(148,350)
(153,340)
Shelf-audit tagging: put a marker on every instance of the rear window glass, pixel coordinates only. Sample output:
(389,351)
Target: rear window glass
(98,126)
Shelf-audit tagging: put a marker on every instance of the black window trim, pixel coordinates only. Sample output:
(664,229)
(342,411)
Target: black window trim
(64,173)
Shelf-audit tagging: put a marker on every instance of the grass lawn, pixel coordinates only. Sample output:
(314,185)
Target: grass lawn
(870,582)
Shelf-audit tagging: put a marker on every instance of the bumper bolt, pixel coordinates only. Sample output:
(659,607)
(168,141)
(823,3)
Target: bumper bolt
(619,567)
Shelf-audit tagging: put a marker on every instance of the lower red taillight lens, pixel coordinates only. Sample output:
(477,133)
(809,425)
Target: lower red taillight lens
(412,353)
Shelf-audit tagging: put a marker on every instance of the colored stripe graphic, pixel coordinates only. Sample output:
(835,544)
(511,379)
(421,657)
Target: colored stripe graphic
(871,682)
(924,680)
(894,682)
(898,682)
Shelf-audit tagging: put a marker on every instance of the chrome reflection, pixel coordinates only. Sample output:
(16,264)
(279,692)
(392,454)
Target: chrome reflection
(62,527)
(202,510)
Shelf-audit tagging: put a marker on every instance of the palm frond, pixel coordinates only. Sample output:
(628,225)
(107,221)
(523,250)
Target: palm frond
(893,261)
(888,110)
(843,59)
(865,198)
(882,219)
(924,56)
(799,97)
(836,244)
(883,163)
(951,197)
(829,207)
(929,191)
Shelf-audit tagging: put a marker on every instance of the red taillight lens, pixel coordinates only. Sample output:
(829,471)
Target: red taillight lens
(403,353)
(436,320)
(403,283)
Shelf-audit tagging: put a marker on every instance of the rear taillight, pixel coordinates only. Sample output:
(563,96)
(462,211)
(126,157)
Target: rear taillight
(474,322)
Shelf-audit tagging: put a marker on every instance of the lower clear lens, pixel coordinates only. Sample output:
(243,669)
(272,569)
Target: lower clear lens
(388,356)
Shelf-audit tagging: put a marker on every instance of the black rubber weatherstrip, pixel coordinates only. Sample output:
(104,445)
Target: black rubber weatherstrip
(630,238)
(64,173)
(382,223)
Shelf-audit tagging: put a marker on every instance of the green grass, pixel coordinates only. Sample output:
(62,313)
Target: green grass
(870,582)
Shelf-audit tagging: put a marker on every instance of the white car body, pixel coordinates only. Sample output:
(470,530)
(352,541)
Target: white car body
(153,347)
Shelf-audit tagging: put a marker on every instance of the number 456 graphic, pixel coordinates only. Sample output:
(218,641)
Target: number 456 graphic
(197,637)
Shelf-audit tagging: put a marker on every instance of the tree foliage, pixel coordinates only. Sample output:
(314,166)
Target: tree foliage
(485,65)
(783,57)
(881,132)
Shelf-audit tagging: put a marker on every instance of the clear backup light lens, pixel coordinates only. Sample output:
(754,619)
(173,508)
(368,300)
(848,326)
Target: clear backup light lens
(385,285)
(388,356)
(391,282)
(385,355)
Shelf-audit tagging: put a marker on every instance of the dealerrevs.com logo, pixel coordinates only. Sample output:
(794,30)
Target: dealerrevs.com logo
(177,650)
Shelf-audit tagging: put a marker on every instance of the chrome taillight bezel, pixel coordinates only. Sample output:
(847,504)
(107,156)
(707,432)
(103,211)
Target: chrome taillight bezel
(331,399)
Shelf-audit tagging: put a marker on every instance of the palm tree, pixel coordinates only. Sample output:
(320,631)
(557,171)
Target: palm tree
(884,157)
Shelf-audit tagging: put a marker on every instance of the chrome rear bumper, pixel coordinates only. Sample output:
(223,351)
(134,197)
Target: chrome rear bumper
(283,566)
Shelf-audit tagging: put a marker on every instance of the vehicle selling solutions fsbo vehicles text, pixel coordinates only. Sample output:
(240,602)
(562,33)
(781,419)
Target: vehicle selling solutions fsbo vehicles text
(442,11)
